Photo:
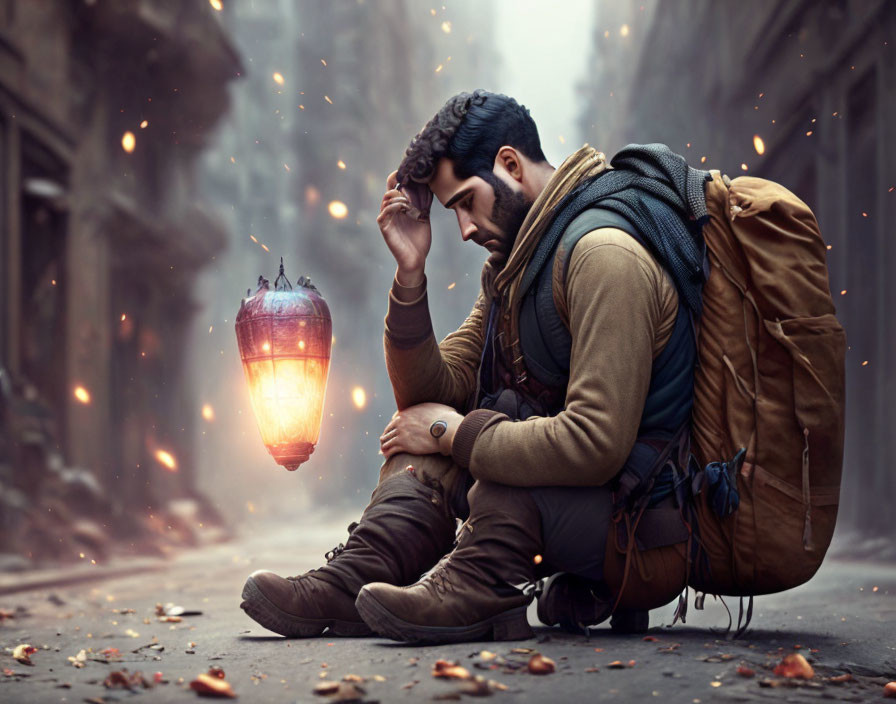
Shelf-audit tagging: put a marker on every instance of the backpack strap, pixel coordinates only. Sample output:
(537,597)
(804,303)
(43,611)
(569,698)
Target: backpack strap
(544,338)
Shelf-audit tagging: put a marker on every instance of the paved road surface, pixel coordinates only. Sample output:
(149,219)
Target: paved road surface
(844,621)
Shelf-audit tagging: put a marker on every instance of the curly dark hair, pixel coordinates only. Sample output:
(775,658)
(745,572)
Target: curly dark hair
(469,129)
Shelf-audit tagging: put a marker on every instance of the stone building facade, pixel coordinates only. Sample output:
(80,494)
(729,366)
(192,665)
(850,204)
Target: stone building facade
(104,108)
(814,80)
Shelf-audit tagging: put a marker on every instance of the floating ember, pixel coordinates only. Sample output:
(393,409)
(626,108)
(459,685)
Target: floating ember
(166,459)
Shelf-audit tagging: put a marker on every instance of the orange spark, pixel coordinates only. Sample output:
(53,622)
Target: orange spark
(446,27)
(623,30)
(124,317)
(758,144)
(323,62)
(252,237)
(743,166)
(327,98)
(166,459)
(359,397)
(82,394)
(216,4)
(338,209)
(128,141)
(266,347)
(452,285)
(438,68)
(144,124)
(278,78)
(265,248)
(208,412)
(341,164)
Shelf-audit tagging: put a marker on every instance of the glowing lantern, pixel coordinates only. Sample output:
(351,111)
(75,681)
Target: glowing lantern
(284,338)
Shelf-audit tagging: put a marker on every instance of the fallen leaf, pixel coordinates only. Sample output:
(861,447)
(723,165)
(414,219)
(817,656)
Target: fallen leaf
(592,669)
(524,651)
(476,687)
(540,665)
(449,669)
(487,655)
(890,690)
(649,639)
(111,653)
(326,688)
(23,652)
(744,671)
(215,671)
(794,666)
(410,684)
(79,660)
(207,685)
(122,679)
(616,665)
(840,679)
(352,678)
(170,619)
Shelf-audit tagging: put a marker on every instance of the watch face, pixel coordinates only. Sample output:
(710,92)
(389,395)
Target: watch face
(438,428)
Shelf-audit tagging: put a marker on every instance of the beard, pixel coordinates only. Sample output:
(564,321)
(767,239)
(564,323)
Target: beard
(508,213)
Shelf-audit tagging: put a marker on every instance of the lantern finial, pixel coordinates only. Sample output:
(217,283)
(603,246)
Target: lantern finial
(279,286)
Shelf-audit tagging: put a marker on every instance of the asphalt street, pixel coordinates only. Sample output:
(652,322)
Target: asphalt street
(842,622)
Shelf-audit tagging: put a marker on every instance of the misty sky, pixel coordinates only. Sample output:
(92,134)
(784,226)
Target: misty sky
(545,48)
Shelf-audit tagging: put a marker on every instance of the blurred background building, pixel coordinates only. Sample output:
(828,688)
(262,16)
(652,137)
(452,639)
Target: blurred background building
(157,156)
(104,107)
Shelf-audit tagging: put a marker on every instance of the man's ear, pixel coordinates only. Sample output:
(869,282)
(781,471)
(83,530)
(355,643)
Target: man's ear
(510,160)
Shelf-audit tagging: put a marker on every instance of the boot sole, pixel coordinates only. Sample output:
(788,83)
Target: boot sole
(509,625)
(264,612)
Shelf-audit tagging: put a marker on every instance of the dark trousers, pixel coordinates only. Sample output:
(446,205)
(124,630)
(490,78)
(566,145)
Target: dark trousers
(574,520)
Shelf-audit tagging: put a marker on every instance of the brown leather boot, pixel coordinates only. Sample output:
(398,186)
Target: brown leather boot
(574,603)
(478,592)
(404,530)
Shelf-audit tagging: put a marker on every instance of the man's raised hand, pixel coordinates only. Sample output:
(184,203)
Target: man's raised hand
(405,227)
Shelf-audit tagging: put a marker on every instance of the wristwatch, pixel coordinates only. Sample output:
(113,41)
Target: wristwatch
(438,428)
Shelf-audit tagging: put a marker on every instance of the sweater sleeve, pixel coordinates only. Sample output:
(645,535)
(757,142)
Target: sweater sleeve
(612,295)
(421,369)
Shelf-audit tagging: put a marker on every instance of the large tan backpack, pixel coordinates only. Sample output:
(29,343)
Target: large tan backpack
(770,379)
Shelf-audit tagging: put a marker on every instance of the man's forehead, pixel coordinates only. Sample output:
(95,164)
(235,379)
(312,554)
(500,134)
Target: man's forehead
(444,184)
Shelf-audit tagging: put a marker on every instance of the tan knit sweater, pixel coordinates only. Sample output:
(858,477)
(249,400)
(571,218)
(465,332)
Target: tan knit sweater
(620,306)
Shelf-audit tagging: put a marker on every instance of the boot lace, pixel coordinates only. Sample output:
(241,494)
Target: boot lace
(331,555)
(440,577)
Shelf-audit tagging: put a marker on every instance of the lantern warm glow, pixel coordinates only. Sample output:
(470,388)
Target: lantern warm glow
(284,338)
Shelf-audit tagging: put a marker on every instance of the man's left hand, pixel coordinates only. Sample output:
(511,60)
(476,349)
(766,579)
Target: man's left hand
(409,430)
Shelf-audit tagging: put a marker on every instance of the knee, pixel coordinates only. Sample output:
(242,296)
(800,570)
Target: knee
(396,464)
